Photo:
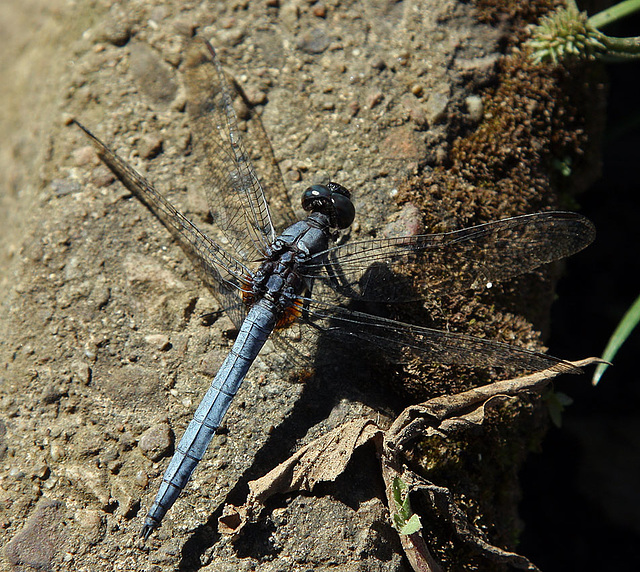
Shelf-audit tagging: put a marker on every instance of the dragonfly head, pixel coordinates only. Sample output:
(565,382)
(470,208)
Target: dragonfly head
(331,199)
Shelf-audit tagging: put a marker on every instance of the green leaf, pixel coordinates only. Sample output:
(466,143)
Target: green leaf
(404,521)
(412,526)
(625,327)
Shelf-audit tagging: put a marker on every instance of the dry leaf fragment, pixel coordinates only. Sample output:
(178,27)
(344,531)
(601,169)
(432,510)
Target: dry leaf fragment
(321,460)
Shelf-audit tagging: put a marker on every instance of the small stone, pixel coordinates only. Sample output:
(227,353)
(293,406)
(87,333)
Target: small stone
(407,223)
(374,98)
(314,41)
(156,442)
(16,473)
(415,109)
(378,63)
(92,524)
(81,372)
(256,97)
(84,156)
(142,479)
(100,296)
(102,177)
(117,27)
(151,146)
(57,452)
(127,499)
(241,108)
(290,14)
(185,27)
(160,342)
(436,107)
(62,187)
(231,36)
(116,31)
(40,471)
(51,394)
(90,349)
(475,107)
(320,11)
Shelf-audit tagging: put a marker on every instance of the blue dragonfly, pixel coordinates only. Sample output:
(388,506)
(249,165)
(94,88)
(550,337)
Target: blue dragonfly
(268,280)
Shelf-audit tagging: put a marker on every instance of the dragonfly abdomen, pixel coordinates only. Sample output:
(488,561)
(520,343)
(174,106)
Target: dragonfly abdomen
(254,332)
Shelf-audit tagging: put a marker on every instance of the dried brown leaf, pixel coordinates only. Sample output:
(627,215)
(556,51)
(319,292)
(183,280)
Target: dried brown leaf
(321,460)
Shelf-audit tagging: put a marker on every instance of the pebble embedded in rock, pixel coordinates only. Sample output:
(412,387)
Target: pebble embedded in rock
(151,146)
(475,107)
(160,342)
(116,31)
(436,107)
(314,41)
(156,442)
(92,524)
(51,394)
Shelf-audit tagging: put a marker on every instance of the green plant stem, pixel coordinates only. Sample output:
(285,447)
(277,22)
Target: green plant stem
(625,327)
(621,47)
(606,17)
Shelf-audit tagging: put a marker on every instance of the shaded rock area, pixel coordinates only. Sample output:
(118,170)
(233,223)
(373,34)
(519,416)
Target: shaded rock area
(108,338)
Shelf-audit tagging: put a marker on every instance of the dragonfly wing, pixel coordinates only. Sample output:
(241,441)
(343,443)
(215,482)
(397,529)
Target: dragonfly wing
(261,152)
(224,274)
(474,257)
(436,346)
(236,198)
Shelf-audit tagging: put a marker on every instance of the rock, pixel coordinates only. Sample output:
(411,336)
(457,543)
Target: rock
(36,545)
(436,107)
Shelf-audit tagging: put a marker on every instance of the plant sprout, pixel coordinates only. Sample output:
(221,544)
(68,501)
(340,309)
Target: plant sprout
(569,33)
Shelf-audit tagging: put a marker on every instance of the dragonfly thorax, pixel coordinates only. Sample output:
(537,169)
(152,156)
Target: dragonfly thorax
(279,278)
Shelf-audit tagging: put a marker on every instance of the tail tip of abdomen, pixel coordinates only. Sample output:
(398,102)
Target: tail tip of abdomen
(149,526)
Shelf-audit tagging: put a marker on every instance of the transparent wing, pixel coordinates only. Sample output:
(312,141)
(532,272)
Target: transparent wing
(261,152)
(224,274)
(437,346)
(474,257)
(236,198)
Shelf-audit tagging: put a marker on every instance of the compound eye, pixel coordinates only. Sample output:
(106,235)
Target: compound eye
(316,198)
(344,210)
(330,199)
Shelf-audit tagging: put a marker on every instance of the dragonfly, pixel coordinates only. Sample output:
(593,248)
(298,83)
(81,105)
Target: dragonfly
(269,277)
